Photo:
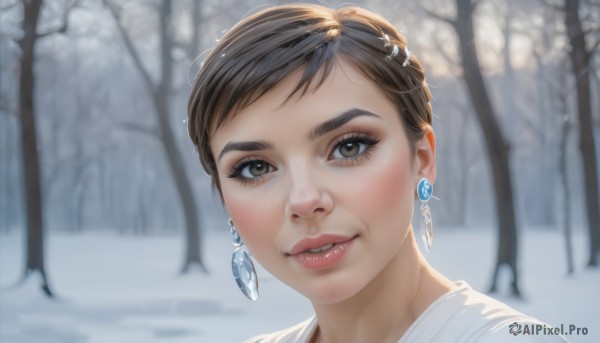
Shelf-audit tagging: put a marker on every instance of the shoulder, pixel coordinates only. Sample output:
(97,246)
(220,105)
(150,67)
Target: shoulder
(297,333)
(466,315)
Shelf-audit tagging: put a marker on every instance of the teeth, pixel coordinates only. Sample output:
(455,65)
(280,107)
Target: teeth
(325,247)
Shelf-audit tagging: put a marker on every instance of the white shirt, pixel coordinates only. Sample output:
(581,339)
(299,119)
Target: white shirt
(461,315)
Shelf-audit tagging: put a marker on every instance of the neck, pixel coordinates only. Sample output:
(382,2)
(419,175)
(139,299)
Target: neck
(388,305)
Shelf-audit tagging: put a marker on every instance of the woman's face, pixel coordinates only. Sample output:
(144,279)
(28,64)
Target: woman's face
(321,187)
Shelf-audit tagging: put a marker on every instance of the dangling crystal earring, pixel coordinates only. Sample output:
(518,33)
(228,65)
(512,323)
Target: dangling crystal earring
(242,267)
(424,191)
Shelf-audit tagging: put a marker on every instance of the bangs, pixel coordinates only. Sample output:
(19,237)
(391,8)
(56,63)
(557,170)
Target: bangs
(244,73)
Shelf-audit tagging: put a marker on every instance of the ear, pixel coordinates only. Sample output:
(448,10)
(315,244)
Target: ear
(425,165)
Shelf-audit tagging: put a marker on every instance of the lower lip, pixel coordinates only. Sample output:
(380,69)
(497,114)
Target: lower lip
(324,259)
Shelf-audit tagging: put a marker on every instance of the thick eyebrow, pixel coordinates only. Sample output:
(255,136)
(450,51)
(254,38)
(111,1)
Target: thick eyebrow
(245,146)
(340,120)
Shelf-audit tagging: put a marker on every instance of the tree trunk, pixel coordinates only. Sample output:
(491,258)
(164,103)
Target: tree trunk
(567,231)
(498,149)
(160,97)
(35,231)
(177,168)
(580,58)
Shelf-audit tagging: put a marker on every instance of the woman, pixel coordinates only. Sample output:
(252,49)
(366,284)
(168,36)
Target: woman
(315,125)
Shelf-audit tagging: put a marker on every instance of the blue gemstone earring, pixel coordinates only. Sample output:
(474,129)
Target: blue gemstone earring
(242,267)
(424,191)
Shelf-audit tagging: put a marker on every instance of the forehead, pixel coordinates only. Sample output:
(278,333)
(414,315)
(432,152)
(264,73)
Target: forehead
(345,87)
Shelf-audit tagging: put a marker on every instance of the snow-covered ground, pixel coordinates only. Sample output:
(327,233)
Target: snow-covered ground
(113,288)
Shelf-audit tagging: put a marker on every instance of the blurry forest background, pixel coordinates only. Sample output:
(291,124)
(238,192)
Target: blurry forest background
(93,97)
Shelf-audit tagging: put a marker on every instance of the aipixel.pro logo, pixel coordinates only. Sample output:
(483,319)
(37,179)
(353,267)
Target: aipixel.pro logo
(545,330)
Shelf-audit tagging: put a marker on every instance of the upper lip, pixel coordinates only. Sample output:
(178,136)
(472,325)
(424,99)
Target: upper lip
(317,242)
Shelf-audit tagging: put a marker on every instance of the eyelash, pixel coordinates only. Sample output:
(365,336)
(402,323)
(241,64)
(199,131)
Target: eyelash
(354,137)
(236,171)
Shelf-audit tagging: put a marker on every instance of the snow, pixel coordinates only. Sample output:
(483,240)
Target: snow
(118,288)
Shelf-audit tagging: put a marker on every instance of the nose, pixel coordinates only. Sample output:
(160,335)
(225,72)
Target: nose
(307,198)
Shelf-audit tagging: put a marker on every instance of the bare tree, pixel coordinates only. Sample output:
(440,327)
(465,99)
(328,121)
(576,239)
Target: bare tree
(561,99)
(580,56)
(31,168)
(160,94)
(558,89)
(35,231)
(497,146)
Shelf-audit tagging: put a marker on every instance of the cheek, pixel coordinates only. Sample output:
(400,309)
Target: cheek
(254,221)
(393,184)
(388,188)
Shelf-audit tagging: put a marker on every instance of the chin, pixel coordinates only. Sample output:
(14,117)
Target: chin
(331,290)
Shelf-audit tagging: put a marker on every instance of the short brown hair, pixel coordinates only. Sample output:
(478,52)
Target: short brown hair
(261,50)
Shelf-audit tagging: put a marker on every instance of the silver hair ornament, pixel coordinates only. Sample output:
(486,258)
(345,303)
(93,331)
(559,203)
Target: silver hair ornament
(387,44)
(407,59)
